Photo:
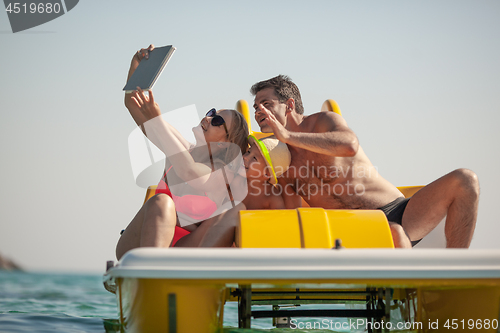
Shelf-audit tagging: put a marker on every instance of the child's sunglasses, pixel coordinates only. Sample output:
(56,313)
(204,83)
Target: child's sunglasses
(216,119)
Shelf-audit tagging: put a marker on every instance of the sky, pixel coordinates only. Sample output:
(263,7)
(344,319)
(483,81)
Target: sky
(417,81)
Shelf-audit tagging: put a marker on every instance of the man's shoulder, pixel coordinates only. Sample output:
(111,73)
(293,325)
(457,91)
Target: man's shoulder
(322,121)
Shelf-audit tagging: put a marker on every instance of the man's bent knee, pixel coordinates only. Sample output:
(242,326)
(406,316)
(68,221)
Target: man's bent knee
(467,180)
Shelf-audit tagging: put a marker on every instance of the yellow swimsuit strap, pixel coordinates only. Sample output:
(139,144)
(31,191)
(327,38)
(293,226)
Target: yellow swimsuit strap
(265,152)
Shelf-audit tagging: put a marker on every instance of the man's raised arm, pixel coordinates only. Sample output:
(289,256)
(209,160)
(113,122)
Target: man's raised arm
(329,134)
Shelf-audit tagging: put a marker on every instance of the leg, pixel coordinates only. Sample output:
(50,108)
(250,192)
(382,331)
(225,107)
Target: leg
(222,232)
(217,231)
(456,196)
(153,226)
(194,238)
(399,237)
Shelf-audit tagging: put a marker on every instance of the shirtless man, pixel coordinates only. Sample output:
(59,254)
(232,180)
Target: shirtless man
(329,169)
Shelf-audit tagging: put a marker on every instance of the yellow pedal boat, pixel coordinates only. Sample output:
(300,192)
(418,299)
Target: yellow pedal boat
(299,260)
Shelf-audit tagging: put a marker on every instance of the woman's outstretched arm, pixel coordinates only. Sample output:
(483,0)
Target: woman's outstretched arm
(198,175)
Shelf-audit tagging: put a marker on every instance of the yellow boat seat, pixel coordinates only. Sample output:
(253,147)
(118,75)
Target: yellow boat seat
(313,228)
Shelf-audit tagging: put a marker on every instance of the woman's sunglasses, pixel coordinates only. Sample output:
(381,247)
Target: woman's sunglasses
(216,119)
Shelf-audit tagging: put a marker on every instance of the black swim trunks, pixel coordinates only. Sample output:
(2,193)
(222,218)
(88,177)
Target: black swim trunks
(394,211)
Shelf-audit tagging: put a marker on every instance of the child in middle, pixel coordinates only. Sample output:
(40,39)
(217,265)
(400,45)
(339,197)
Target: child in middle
(265,161)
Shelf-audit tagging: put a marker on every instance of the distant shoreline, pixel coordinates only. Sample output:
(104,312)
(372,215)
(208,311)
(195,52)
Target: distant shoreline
(8,265)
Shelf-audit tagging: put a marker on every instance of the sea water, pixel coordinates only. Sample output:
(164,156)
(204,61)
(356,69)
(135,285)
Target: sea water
(71,303)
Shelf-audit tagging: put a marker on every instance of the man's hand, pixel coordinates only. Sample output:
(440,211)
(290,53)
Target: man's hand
(146,104)
(278,129)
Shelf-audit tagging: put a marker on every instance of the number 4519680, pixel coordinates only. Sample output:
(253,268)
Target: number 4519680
(486,324)
(32,8)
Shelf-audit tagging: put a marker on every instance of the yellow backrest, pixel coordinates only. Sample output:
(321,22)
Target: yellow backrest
(409,191)
(149,193)
(243,108)
(331,105)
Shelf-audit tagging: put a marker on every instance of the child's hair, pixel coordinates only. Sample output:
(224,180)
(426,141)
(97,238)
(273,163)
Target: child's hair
(276,155)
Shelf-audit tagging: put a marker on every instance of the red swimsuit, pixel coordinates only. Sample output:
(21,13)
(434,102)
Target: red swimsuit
(195,206)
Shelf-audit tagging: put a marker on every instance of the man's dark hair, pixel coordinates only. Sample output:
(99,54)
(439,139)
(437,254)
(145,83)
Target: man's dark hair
(284,88)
